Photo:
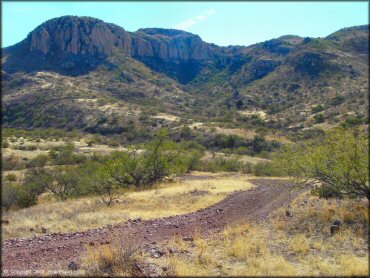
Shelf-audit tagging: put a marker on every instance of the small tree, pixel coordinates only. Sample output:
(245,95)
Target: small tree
(339,162)
(159,155)
(99,181)
(127,168)
(63,182)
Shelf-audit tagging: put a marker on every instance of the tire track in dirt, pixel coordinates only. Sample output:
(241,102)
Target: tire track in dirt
(56,251)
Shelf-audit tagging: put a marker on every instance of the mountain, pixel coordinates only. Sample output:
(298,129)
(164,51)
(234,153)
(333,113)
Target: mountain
(80,72)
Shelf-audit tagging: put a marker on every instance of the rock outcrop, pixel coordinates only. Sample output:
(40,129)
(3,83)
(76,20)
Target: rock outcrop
(90,36)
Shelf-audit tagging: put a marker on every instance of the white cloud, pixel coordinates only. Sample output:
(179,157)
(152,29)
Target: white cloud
(185,25)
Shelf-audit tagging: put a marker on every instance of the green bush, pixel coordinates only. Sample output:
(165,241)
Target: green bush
(26,197)
(65,182)
(5,144)
(11,177)
(326,192)
(267,169)
(317,108)
(339,160)
(12,162)
(39,161)
(352,121)
(337,100)
(319,118)
(23,194)
(26,147)
(64,155)
(221,164)
(8,195)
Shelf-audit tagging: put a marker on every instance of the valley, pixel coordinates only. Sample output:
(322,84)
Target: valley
(154,153)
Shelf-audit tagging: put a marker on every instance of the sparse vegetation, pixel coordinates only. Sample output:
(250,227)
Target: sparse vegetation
(117,132)
(339,162)
(298,245)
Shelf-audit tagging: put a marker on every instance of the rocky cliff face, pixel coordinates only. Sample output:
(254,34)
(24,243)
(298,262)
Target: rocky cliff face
(73,35)
(76,45)
(90,36)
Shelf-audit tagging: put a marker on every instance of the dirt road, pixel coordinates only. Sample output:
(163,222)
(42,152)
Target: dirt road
(56,251)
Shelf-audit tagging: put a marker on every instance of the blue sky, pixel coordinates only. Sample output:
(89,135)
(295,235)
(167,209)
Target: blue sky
(222,23)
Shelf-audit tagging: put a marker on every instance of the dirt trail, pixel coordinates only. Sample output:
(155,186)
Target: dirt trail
(56,251)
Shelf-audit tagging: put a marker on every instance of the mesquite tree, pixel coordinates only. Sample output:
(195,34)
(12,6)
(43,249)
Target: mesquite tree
(339,161)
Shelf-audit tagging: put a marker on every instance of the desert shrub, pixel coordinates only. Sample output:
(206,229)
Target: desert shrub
(12,162)
(39,161)
(113,143)
(317,108)
(337,100)
(5,144)
(26,147)
(8,195)
(319,118)
(236,144)
(40,133)
(128,168)
(26,196)
(191,160)
(352,121)
(267,169)
(221,164)
(64,155)
(23,194)
(325,191)
(246,168)
(100,178)
(306,134)
(116,260)
(11,177)
(340,161)
(64,182)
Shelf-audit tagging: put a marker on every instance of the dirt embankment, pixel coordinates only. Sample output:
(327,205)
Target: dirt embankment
(58,250)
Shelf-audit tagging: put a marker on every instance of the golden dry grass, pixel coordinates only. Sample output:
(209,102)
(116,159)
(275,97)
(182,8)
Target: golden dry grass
(165,199)
(245,158)
(167,117)
(259,113)
(119,259)
(298,245)
(44,146)
(250,134)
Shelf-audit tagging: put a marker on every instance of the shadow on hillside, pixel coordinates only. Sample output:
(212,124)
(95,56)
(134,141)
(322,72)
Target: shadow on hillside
(67,64)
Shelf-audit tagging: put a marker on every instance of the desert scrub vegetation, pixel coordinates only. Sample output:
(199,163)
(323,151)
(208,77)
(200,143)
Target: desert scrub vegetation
(159,200)
(119,260)
(233,143)
(339,161)
(76,175)
(38,134)
(300,244)
(236,164)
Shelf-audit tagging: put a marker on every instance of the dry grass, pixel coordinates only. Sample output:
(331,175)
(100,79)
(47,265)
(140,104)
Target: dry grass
(118,259)
(298,245)
(249,134)
(44,146)
(165,199)
(259,113)
(167,117)
(245,158)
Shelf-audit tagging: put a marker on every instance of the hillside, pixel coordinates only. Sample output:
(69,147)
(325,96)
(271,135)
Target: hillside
(80,72)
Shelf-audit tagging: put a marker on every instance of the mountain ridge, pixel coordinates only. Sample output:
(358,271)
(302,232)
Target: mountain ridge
(183,73)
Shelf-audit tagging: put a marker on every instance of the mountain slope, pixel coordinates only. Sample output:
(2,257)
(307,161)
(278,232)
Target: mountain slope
(82,72)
